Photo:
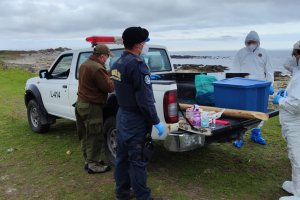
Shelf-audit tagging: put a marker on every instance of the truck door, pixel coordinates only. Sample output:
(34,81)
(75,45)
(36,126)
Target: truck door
(83,56)
(55,89)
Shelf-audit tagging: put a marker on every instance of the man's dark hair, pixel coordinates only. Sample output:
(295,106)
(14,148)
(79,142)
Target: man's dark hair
(296,52)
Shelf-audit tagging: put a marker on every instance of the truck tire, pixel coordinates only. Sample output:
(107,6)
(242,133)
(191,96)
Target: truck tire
(34,115)
(110,139)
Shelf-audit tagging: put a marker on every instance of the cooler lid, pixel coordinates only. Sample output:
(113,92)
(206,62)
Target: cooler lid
(239,82)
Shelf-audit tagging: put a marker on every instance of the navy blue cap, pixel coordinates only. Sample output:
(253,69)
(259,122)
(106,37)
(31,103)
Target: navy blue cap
(134,35)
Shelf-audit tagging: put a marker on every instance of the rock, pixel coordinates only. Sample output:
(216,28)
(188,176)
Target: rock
(200,68)
(32,61)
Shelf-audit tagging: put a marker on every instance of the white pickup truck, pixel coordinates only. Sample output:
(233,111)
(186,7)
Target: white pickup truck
(51,96)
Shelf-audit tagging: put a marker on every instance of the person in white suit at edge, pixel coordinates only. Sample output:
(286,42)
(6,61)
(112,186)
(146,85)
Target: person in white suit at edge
(253,60)
(289,116)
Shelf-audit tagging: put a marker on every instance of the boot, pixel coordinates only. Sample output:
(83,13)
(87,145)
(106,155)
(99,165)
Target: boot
(97,167)
(288,186)
(101,162)
(290,198)
(256,136)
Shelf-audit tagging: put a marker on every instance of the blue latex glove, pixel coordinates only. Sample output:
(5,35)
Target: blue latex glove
(276,99)
(271,91)
(155,76)
(160,128)
(282,92)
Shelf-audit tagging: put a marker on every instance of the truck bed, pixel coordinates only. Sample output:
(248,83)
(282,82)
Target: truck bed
(186,94)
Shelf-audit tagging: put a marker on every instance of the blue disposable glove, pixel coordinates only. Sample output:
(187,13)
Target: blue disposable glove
(155,76)
(271,91)
(276,99)
(160,128)
(282,92)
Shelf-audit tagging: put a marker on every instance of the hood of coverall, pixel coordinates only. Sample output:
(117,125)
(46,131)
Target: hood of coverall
(252,35)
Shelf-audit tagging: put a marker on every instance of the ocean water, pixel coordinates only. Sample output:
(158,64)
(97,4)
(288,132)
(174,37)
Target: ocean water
(225,58)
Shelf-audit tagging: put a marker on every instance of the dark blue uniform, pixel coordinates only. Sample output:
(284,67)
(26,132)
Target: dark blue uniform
(135,118)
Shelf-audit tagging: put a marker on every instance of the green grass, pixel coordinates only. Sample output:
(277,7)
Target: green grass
(36,166)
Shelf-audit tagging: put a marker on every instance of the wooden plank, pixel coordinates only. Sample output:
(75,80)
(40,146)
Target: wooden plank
(246,114)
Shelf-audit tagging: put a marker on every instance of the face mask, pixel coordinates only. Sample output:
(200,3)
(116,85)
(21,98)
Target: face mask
(107,63)
(145,49)
(252,47)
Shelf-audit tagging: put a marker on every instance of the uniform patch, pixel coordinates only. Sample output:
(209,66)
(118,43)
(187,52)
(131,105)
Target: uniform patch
(147,79)
(116,75)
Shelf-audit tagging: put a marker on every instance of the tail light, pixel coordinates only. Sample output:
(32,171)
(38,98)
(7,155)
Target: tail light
(170,107)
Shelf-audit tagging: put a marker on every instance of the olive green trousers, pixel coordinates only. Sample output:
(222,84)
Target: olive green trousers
(89,121)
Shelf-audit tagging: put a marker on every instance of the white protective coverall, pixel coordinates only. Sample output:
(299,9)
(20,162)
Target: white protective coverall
(289,115)
(256,63)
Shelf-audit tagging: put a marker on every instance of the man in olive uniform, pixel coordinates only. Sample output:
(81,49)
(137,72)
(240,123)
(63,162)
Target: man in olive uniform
(93,88)
(136,115)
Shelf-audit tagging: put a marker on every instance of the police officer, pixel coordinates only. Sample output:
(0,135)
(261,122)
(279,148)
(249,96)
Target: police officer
(94,85)
(136,115)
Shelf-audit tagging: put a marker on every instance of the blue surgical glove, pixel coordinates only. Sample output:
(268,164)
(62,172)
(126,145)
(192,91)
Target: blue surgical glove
(276,99)
(281,92)
(155,76)
(160,128)
(271,91)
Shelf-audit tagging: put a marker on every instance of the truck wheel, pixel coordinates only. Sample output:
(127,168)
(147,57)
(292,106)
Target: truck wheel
(110,139)
(34,115)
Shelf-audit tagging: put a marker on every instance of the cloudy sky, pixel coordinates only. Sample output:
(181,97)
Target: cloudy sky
(181,25)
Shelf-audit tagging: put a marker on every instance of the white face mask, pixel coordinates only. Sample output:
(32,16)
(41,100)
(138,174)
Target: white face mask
(107,63)
(252,47)
(145,49)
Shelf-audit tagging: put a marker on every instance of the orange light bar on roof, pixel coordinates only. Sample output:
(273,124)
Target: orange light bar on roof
(104,40)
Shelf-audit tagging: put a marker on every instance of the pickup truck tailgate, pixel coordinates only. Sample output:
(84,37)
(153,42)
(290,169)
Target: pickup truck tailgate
(186,139)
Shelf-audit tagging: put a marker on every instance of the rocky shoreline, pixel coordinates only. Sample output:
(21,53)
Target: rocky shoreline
(31,60)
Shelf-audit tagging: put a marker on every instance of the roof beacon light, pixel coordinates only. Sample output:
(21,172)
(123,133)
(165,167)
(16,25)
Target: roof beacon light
(104,40)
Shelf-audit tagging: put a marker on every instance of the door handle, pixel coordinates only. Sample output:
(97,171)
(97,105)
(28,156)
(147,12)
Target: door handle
(64,86)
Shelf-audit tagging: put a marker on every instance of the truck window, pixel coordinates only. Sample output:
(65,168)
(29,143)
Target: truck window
(82,57)
(61,69)
(156,59)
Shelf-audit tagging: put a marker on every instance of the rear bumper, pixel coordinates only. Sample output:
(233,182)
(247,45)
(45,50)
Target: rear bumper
(180,141)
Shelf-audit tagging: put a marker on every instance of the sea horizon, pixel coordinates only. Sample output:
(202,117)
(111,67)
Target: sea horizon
(225,58)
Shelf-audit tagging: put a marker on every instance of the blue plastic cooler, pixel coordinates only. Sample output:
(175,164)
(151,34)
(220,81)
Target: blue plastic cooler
(242,93)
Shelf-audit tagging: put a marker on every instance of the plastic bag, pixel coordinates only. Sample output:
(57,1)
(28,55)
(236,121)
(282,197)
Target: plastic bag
(205,89)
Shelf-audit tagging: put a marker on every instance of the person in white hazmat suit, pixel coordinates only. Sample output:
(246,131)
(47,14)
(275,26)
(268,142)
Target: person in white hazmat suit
(254,60)
(289,116)
(292,63)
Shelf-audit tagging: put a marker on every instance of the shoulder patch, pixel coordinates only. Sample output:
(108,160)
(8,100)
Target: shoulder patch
(116,75)
(147,79)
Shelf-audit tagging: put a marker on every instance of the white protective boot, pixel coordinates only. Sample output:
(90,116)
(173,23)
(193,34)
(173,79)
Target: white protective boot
(288,186)
(289,198)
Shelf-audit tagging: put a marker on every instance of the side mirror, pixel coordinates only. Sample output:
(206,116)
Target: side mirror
(43,73)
